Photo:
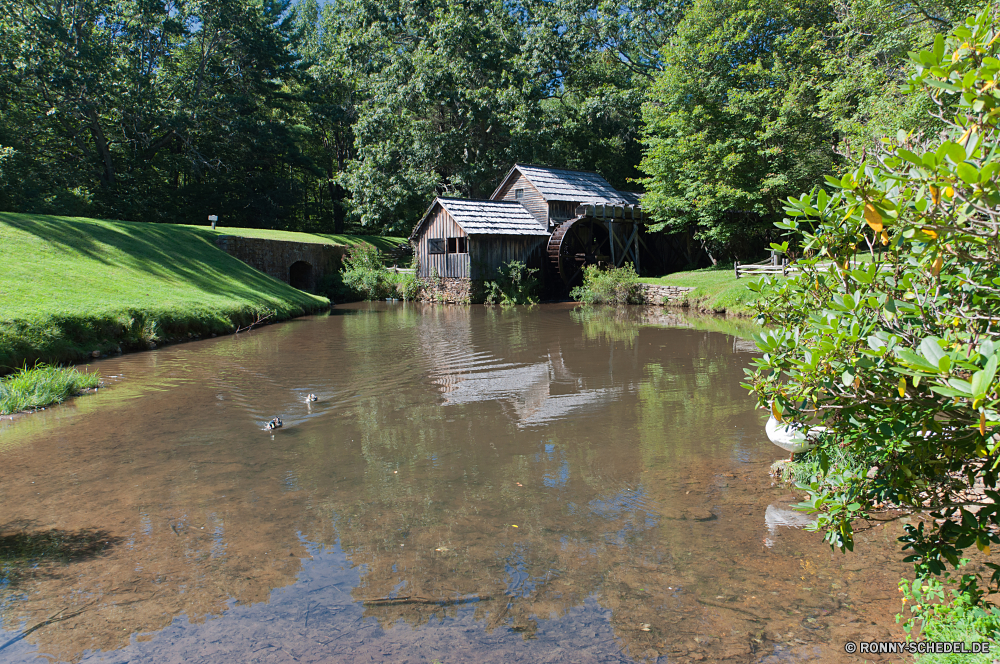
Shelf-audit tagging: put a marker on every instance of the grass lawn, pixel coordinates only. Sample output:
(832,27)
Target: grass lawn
(385,244)
(715,289)
(69,286)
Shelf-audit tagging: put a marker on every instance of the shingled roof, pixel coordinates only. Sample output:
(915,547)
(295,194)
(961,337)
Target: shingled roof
(632,197)
(492,217)
(560,184)
(487,217)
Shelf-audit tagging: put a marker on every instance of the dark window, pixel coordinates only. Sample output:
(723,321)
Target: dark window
(458,245)
(435,246)
(519,194)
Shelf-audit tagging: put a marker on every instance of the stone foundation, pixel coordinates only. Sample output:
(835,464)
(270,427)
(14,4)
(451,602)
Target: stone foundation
(300,264)
(659,294)
(462,290)
(453,290)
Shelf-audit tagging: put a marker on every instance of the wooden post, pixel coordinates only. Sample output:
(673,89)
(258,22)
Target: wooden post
(736,267)
(611,232)
(632,245)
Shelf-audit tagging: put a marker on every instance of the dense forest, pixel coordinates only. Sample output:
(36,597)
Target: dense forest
(350,114)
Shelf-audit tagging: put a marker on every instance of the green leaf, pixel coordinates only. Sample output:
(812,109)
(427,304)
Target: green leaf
(981,380)
(949,392)
(938,53)
(968,172)
(954,152)
(934,83)
(912,359)
(931,349)
(961,385)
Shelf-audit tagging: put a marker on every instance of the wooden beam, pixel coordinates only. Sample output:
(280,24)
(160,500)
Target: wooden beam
(611,231)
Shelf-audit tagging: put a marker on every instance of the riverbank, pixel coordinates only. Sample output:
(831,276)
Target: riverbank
(716,290)
(73,288)
(31,389)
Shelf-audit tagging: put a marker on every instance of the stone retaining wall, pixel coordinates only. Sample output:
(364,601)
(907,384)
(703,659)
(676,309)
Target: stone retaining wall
(655,294)
(300,264)
(455,290)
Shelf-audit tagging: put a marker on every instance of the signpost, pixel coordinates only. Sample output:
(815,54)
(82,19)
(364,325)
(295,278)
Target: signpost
(213,218)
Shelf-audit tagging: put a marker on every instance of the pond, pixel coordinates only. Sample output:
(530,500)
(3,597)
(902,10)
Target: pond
(546,484)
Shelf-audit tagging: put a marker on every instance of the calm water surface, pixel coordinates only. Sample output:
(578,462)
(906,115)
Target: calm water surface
(556,485)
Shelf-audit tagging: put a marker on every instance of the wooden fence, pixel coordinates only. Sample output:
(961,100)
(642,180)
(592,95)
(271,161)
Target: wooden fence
(764,267)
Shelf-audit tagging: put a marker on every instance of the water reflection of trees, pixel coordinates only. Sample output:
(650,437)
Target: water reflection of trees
(612,324)
(533,529)
(26,550)
(428,455)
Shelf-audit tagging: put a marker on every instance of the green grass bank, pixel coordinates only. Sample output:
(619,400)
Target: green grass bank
(37,387)
(70,286)
(716,290)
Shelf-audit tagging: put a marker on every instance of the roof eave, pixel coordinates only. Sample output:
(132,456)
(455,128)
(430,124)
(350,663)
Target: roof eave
(503,182)
(423,220)
(491,234)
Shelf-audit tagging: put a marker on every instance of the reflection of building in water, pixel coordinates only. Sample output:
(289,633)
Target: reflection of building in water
(539,391)
(529,387)
(638,511)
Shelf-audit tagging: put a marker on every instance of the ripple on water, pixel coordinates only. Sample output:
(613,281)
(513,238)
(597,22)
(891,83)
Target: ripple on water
(471,485)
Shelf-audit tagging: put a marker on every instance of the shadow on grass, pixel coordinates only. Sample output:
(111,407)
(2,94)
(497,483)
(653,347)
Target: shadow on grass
(169,252)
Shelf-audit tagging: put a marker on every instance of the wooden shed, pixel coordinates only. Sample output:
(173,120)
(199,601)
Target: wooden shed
(552,195)
(459,238)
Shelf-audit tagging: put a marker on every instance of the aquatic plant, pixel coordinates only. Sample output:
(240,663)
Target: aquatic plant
(42,385)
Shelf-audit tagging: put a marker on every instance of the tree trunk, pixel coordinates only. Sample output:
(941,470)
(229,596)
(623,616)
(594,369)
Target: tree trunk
(708,253)
(337,196)
(108,176)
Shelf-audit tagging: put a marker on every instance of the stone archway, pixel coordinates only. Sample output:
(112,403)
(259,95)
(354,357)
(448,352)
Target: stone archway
(300,275)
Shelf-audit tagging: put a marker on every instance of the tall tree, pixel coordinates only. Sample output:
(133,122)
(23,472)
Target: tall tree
(148,109)
(732,121)
(865,87)
(445,100)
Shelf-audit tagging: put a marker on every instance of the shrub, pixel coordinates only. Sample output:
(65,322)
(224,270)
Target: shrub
(409,287)
(365,274)
(516,285)
(42,385)
(957,619)
(614,286)
(898,355)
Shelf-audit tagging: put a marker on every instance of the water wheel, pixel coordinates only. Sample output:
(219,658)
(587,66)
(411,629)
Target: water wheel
(575,244)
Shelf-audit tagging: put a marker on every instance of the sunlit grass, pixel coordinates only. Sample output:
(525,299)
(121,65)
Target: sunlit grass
(716,289)
(41,386)
(70,286)
(384,244)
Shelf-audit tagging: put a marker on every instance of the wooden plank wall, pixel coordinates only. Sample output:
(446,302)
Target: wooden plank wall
(532,200)
(489,252)
(560,211)
(440,225)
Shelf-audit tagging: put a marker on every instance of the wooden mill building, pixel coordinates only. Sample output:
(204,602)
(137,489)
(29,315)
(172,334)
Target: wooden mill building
(459,238)
(550,218)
